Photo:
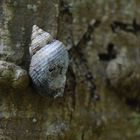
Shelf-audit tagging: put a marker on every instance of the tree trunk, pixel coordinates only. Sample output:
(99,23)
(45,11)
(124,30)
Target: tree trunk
(102,91)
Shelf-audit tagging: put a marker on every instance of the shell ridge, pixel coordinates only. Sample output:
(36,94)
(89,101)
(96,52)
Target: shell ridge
(50,60)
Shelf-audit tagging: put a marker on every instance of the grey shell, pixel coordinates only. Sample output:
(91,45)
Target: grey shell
(48,68)
(39,39)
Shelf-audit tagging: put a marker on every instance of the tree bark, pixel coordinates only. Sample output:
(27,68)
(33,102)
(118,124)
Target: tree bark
(103,76)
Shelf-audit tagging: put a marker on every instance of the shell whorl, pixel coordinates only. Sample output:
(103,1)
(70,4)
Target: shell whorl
(49,64)
(39,39)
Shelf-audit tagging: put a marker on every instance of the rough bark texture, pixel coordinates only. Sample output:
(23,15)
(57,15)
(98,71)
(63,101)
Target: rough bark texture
(102,93)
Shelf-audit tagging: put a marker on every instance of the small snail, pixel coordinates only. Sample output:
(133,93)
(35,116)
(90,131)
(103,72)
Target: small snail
(49,63)
(12,77)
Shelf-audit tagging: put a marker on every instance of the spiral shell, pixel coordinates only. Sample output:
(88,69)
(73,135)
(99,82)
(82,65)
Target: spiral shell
(49,63)
(12,77)
(39,39)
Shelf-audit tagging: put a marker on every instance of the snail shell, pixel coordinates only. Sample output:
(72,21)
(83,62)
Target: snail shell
(49,63)
(39,39)
(12,77)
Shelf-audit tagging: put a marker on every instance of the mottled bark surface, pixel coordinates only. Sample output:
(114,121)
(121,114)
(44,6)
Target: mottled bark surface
(101,98)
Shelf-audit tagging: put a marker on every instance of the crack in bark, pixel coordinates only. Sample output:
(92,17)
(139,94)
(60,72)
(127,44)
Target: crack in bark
(133,28)
(78,64)
(82,62)
(87,35)
(111,53)
(82,136)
